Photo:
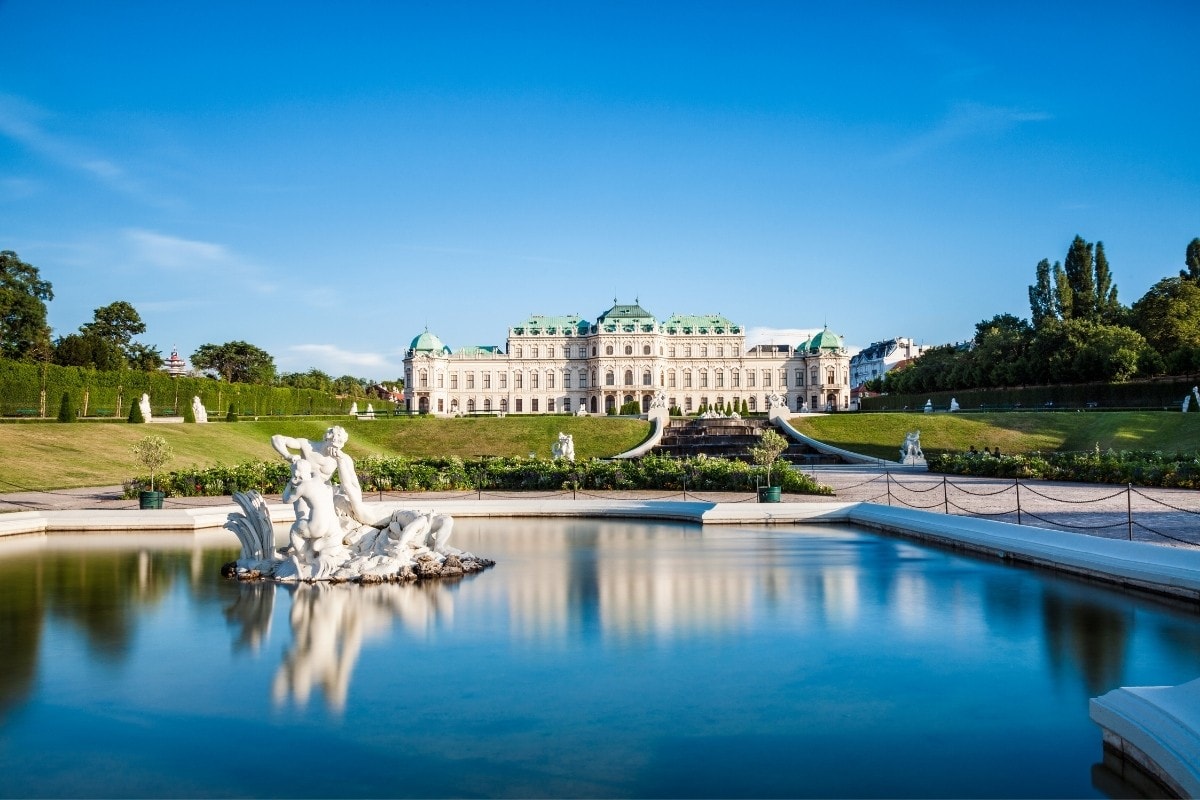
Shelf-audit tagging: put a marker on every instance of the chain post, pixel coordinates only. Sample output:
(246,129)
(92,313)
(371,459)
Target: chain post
(945,498)
(1017,483)
(888,477)
(1129,508)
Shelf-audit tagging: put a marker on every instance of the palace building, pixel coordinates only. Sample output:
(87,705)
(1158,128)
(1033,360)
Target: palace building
(554,365)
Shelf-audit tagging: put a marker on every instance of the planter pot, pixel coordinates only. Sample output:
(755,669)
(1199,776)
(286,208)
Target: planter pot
(769,494)
(151,499)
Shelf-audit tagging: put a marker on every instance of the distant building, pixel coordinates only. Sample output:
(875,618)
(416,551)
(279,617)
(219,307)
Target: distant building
(882,357)
(560,364)
(175,366)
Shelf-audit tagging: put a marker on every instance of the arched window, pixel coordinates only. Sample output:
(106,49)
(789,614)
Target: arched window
(594,383)
(647,378)
(610,379)
(504,404)
(629,377)
(487,404)
(608,350)
(646,350)
(628,349)
(470,405)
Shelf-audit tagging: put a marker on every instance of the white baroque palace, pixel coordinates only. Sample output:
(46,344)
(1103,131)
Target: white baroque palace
(554,365)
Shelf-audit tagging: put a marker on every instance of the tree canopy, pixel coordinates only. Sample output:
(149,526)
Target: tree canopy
(24,333)
(237,361)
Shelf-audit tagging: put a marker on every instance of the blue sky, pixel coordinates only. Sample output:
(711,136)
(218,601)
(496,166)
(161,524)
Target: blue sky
(327,180)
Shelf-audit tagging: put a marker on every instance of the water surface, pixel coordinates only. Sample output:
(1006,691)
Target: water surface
(597,659)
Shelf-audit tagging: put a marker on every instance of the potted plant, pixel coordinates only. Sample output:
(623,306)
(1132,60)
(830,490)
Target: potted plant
(152,452)
(764,454)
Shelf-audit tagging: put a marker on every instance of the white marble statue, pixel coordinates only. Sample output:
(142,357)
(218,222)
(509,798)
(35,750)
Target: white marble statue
(928,406)
(370,411)
(910,451)
(953,404)
(144,405)
(328,457)
(775,401)
(354,409)
(581,411)
(335,537)
(198,410)
(659,400)
(564,447)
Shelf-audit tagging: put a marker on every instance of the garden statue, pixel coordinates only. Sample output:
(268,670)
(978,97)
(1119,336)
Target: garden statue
(198,410)
(910,451)
(354,409)
(144,405)
(335,537)
(564,448)
(581,411)
(953,404)
(659,400)
(928,406)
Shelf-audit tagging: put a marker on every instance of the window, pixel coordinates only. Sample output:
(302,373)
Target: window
(750,378)
(647,378)
(583,379)
(594,383)
(550,404)
(471,405)
(646,350)
(441,405)
(504,404)
(566,351)
(737,377)
(687,379)
(566,379)
(799,377)
(608,350)
(441,376)
(566,404)
(720,351)
(453,380)
(487,380)
(533,380)
(520,351)
(470,380)
(534,351)
(518,406)
(593,354)
(533,405)
(629,377)
(628,349)
(671,379)
(687,404)
(610,379)
(424,379)
(518,381)
(549,379)
(687,351)
(720,376)
(812,376)
(487,404)
(783,377)
(829,376)
(503,380)
(766,377)
(703,379)
(583,351)
(704,351)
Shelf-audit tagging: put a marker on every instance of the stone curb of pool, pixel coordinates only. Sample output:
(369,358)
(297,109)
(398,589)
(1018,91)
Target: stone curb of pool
(1157,728)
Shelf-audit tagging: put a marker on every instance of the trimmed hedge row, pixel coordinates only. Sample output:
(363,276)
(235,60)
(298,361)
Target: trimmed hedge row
(377,473)
(1137,467)
(31,390)
(1166,394)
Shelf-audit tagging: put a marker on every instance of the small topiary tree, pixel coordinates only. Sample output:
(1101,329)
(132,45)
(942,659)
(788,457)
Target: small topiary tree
(152,452)
(769,448)
(135,412)
(632,408)
(745,408)
(66,409)
(231,415)
(189,414)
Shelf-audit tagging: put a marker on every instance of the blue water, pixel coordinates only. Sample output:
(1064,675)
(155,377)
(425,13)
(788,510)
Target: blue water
(597,659)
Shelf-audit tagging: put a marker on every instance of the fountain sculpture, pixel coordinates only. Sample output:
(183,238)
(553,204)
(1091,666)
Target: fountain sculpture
(336,537)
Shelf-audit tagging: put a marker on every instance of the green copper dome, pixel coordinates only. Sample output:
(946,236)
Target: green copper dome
(428,343)
(825,340)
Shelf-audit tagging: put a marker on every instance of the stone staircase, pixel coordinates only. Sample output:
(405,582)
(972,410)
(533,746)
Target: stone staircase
(728,438)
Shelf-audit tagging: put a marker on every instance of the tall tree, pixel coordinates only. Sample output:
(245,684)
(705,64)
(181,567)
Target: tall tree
(1080,273)
(1192,259)
(1041,295)
(116,322)
(236,362)
(1064,296)
(24,333)
(1108,309)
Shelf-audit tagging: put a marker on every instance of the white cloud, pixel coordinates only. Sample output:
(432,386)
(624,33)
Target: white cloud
(963,121)
(338,361)
(171,252)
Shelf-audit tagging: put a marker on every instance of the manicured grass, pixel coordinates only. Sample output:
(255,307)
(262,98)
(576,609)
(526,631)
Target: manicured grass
(51,455)
(880,434)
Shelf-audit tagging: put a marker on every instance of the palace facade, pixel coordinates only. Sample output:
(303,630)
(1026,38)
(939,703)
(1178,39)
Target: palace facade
(554,365)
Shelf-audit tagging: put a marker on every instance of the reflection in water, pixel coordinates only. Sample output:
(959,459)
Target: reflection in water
(251,614)
(330,623)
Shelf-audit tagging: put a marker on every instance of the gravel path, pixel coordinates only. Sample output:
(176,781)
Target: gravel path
(1162,516)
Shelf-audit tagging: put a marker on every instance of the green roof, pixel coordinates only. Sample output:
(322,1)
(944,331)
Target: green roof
(541,324)
(428,343)
(825,340)
(627,313)
(478,350)
(700,323)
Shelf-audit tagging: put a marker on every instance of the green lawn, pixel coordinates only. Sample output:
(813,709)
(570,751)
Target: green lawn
(880,435)
(51,455)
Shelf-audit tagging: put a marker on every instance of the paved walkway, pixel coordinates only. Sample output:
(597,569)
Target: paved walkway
(1160,516)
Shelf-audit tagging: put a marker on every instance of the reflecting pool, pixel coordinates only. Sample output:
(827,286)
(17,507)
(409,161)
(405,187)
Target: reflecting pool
(597,659)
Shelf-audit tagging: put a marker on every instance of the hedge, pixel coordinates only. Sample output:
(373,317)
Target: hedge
(1137,467)
(25,387)
(378,473)
(1166,394)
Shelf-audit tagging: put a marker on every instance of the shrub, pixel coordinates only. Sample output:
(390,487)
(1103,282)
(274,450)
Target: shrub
(231,415)
(66,409)
(135,412)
